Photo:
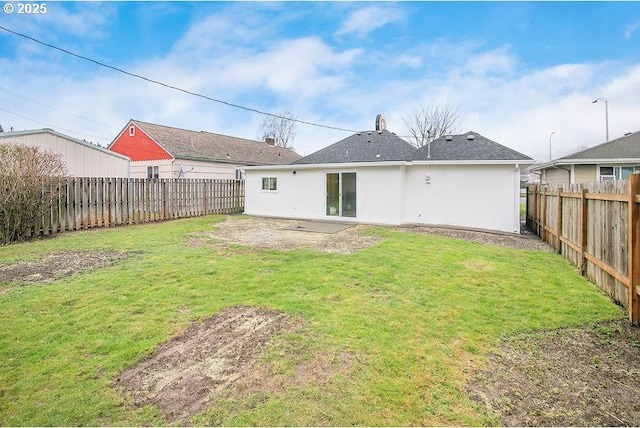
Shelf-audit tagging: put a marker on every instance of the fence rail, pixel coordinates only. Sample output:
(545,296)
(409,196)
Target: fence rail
(85,203)
(596,226)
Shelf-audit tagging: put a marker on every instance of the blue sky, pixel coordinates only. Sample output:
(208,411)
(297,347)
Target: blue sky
(516,71)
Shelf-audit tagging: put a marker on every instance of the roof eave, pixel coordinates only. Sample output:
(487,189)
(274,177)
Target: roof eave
(559,162)
(343,165)
(475,162)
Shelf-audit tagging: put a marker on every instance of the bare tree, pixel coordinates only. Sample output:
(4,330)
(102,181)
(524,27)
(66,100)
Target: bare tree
(28,188)
(428,123)
(282,128)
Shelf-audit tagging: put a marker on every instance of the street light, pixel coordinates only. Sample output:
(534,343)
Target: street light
(550,144)
(606,113)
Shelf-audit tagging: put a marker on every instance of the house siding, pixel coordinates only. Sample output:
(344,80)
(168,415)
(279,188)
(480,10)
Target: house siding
(196,169)
(81,159)
(473,196)
(303,195)
(560,175)
(584,173)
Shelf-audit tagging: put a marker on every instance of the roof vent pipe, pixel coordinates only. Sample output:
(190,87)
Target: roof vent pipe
(471,137)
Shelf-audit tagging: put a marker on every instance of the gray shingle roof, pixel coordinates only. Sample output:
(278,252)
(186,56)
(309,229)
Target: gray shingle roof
(365,146)
(460,147)
(185,144)
(627,147)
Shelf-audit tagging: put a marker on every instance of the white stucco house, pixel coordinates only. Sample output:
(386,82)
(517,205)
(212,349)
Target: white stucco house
(82,159)
(376,177)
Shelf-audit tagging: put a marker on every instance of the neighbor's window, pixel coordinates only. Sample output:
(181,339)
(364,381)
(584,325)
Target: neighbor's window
(617,172)
(623,172)
(269,183)
(153,171)
(132,131)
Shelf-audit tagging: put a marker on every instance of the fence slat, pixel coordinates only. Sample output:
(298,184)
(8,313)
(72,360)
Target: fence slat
(599,232)
(84,203)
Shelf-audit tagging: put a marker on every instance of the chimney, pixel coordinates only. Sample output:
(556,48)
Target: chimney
(270,141)
(381,123)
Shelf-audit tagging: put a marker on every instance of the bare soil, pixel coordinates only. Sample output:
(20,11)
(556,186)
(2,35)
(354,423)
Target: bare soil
(524,241)
(202,363)
(571,377)
(261,233)
(588,376)
(59,264)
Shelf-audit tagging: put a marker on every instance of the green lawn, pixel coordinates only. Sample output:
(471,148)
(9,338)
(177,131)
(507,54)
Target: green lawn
(415,312)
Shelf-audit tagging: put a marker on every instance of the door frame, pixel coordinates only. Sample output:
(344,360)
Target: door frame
(341,196)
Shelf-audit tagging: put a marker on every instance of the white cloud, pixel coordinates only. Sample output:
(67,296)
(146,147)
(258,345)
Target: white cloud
(363,21)
(255,66)
(631,29)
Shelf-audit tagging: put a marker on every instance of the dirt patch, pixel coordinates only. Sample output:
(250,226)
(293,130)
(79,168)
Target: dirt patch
(268,233)
(524,241)
(59,264)
(586,376)
(204,362)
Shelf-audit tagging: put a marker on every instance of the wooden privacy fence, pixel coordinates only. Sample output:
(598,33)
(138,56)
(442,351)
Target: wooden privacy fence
(83,203)
(596,226)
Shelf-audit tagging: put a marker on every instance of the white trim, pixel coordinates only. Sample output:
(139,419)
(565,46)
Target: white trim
(323,165)
(387,163)
(476,162)
(548,165)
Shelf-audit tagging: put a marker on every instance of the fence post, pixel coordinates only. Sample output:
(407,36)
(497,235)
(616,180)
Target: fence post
(543,216)
(633,249)
(583,230)
(559,221)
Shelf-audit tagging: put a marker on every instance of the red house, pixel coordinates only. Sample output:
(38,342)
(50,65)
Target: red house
(158,151)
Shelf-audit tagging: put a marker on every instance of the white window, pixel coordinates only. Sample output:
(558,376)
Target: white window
(239,174)
(269,183)
(617,172)
(132,131)
(606,173)
(153,171)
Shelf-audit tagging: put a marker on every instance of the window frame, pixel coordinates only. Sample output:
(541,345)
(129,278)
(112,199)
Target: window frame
(269,184)
(153,172)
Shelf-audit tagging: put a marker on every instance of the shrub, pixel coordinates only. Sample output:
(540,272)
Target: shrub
(28,177)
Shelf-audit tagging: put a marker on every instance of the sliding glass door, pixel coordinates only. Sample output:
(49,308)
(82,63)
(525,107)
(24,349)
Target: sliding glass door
(341,194)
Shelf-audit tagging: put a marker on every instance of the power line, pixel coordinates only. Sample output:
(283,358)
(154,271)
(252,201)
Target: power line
(304,122)
(56,108)
(52,126)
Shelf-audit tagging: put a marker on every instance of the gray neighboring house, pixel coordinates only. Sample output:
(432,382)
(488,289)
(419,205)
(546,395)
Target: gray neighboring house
(613,160)
(82,159)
